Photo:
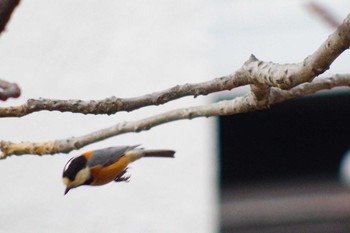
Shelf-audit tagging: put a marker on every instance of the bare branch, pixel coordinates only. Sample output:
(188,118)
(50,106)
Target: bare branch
(338,80)
(254,72)
(6,9)
(8,90)
(113,104)
(242,104)
(286,76)
(66,145)
(270,83)
(324,13)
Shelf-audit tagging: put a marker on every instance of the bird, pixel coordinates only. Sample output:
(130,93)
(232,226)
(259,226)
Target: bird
(99,167)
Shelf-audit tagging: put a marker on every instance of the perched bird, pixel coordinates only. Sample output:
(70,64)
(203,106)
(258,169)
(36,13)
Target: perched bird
(99,167)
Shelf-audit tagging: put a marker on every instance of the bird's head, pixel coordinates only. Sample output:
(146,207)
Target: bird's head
(76,173)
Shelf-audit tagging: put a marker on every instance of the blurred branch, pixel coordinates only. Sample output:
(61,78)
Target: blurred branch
(241,104)
(8,90)
(323,13)
(6,9)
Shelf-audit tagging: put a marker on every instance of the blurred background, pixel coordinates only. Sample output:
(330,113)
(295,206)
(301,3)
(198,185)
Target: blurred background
(280,170)
(285,169)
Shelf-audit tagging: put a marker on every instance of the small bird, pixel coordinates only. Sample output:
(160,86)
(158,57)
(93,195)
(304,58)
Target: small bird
(99,167)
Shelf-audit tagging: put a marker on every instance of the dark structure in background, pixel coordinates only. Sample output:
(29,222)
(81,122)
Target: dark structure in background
(293,149)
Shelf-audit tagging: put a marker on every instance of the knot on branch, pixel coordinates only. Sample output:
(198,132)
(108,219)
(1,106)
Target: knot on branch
(284,76)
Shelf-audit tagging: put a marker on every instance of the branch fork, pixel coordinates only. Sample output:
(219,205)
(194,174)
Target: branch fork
(270,83)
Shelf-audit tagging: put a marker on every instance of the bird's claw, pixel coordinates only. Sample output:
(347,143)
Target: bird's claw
(121,177)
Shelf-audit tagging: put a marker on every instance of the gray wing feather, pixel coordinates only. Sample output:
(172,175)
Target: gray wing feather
(108,156)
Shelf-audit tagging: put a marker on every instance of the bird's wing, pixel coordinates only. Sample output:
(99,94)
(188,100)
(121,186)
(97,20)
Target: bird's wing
(108,156)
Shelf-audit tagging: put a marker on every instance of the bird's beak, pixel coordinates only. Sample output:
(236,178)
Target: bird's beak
(66,191)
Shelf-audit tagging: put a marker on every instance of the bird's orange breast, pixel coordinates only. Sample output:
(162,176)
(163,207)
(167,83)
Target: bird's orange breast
(104,175)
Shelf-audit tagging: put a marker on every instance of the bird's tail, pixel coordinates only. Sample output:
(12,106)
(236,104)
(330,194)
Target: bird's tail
(159,153)
(139,153)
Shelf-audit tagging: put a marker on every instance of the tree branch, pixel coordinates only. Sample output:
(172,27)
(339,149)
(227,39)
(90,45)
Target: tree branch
(241,104)
(6,9)
(113,104)
(254,72)
(323,13)
(338,80)
(270,83)
(286,76)
(8,90)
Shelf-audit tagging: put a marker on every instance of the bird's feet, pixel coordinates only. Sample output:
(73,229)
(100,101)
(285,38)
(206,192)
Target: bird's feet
(121,177)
